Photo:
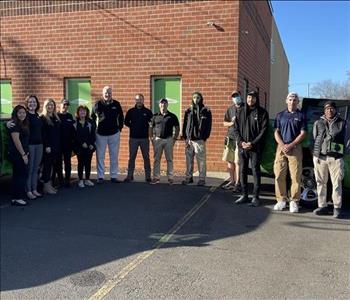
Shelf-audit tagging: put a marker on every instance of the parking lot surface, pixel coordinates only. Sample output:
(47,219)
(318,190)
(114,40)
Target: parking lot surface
(138,241)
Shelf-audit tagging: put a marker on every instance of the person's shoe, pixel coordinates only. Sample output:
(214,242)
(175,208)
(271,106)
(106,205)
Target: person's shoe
(171,181)
(280,205)
(148,180)
(155,181)
(81,183)
(336,213)
(48,189)
(128,179)
(201,182)
(321,211)
(37,194)
(255,202)
(67,184)
(242,199)
(88,182)
(31,196)
(18,202)
(237,188)
(228,186)
(115,180)
(187,181)
(100,181)
(293,207)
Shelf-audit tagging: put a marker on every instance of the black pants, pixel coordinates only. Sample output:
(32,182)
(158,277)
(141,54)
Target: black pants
(19,176)
(84,162)
(50,166)
(65,157)
(255,161)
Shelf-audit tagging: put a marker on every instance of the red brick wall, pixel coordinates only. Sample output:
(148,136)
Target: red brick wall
(124,46)
(254,47)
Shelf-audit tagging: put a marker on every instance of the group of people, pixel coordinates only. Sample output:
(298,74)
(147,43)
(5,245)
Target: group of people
(247,125)
(41,144)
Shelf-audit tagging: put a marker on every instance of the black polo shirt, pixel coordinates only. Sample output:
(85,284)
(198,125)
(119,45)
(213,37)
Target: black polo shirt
(230,116)
(163,125)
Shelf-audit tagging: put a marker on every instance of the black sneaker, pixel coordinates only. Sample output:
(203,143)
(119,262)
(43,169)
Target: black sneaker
(155,181)
(115,180)
(100,181)
(187,181)
(242,199)
(237,188)
(18,202)
(128,179)
(255,202)
(321,211)
(148,180)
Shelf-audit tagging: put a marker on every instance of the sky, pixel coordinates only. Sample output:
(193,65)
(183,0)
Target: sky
(316,38)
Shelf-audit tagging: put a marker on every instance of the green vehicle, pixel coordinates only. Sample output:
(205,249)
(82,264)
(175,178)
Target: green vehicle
(313,109)
(5,165)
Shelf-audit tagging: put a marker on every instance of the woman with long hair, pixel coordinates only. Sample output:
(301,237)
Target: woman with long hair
(52,143)
(18,154)
(84,144)
(35,145)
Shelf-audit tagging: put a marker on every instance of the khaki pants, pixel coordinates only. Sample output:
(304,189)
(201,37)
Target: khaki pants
(167,145)
(196,148)
(292,161)
(335,167)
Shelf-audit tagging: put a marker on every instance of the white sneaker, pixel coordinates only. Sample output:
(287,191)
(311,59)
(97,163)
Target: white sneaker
(293,207)
(280,205)
(88,182)
(81,183)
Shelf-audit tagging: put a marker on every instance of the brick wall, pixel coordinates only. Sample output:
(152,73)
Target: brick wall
(124,46)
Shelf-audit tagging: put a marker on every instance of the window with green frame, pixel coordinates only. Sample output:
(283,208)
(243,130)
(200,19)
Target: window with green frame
(78,92)
(6,97)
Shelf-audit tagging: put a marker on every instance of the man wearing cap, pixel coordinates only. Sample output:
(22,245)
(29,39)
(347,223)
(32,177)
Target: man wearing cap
(290,130)
(138,120)
(108,114)
(231,153)
(164,131)
(67,131)
(250,130)
(196,130)
(328,156)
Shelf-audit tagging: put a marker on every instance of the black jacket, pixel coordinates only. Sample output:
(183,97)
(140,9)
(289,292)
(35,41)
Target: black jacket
(327,132)
(67,131)
(197,122)
(109,117)
(251,126)
(84,134)
(52,134)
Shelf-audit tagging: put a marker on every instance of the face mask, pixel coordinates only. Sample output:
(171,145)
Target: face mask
(237,100)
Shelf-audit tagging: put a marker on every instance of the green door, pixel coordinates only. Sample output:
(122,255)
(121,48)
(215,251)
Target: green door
(6,97)
(170,88)
(78,92)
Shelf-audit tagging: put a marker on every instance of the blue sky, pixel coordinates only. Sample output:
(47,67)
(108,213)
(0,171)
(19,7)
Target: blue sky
(316,38)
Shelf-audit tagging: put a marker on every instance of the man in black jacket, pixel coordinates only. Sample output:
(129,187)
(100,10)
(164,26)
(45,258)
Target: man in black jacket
(328,157)
(250,129)
(138,120)
(196,130)
(108,114)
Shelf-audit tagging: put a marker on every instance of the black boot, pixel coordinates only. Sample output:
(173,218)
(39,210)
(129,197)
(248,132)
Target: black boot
(321,211)
(242,199)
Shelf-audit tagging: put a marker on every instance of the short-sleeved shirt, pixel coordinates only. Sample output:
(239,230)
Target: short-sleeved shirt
(163,125)
(23,137)
(290,124)
(230,116)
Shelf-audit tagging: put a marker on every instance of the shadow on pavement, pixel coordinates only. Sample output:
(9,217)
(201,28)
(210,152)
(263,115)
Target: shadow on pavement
(78,229)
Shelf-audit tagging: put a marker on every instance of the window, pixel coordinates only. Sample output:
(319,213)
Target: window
(78,92)
(6,97)
(170,88)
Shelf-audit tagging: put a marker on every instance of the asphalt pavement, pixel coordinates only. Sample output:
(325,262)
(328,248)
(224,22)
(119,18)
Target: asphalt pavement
(138,241)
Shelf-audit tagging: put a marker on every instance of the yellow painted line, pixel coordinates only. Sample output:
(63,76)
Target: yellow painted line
(111,283)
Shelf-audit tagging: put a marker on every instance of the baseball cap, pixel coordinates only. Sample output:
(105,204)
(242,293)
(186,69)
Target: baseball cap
(253,93)
(65,101)
(163,100)
(329,104)
(235,93)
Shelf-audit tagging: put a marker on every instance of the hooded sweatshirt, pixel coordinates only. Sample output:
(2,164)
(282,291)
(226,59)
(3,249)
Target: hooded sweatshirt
(197,122)
(251,126)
